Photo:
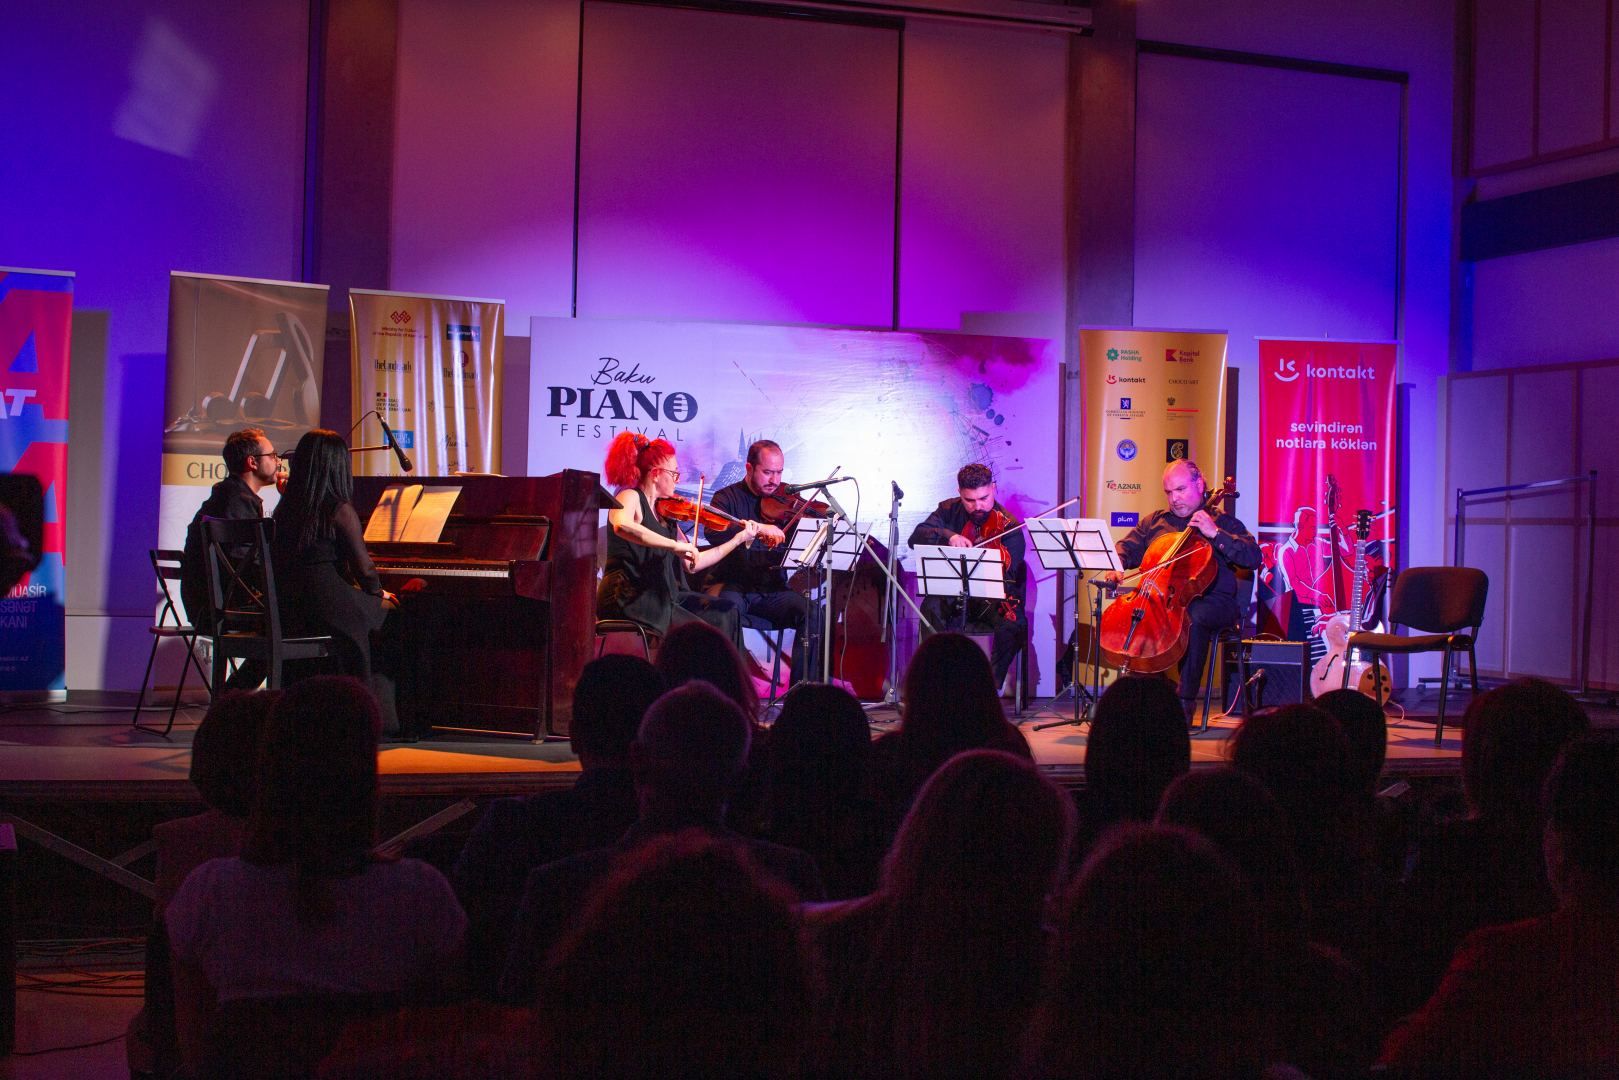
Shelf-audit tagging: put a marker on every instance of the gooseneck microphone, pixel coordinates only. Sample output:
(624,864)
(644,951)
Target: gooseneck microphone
(393,443)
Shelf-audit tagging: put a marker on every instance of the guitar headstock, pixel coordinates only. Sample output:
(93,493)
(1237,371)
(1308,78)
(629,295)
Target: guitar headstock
(1363,525)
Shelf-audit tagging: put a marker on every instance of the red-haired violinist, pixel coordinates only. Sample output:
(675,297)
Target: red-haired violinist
(648,557)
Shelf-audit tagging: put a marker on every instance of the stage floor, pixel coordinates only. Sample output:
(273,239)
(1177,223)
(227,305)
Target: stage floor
(87,749)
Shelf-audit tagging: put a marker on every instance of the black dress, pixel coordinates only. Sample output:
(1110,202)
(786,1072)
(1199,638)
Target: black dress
(648,585)
(331,587)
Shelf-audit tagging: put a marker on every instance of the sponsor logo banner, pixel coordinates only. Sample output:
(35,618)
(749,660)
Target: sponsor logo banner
(1176,401)
(36,315)
(1326,410)
(432,367)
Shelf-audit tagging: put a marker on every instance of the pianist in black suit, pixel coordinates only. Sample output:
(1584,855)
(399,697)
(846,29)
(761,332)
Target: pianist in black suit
(324,575)
(648,557)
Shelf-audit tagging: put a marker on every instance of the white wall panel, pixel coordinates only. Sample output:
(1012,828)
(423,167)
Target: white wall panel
(1573,63)
(1547,307)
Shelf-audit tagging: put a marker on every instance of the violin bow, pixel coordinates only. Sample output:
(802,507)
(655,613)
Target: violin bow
(697,515)
(1025,522)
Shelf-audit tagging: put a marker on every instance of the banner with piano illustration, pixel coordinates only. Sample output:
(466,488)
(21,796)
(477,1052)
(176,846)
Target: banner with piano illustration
(1326,451)
(36,316)
(242,353)
(895,410)
(430,367)
(1148,397)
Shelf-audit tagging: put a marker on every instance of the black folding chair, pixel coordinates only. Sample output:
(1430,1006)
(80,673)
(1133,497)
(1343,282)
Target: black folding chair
(169,627)
(1440,601)
(247,616)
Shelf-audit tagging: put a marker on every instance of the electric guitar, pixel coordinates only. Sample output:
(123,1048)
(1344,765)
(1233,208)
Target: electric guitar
(1328,673)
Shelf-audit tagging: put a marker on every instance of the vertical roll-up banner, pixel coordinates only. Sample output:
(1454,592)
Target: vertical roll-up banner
(36,316)
(431,367)
(1326,431)
(1148,397)
(243,353)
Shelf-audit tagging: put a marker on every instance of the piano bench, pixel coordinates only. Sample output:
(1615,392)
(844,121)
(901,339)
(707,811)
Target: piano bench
(608,627)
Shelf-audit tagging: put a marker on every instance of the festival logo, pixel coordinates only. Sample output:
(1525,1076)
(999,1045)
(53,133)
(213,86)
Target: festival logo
(622,394)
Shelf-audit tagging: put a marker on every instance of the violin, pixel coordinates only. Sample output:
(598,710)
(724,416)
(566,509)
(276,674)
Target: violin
(988,536)
(787,509)
(675,508)
(1146,629)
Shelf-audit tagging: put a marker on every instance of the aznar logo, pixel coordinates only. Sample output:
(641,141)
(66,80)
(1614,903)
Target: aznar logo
(1124,403)
(1113,354)
(1286,370)
(1126,449)
(1121,519)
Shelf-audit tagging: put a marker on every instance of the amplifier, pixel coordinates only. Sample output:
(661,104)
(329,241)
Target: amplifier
(1286,667)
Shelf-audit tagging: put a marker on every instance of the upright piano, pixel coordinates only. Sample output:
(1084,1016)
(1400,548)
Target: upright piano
(497,617)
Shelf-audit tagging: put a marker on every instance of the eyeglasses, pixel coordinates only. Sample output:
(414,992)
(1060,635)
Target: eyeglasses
(267,454)
(674,474)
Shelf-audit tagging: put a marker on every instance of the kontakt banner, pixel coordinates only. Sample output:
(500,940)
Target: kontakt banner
(1148,397)
(431,367)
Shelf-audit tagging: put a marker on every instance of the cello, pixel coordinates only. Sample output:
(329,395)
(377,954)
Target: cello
(1146,629)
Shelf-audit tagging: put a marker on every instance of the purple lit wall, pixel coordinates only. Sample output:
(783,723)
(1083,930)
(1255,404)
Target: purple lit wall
(736,168)
(1267,204)
(139,138)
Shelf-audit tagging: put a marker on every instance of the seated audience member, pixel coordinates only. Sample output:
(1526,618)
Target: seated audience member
(696,650)
(1366,728)
(1539,997)
(686,962)
(1322,1007)
(1159,967)
(691,750)
(307,909)
(224,761)
(935,974)
(1138,745)
(951,704)
(1484,869)
(1301,755)
(817,768)
(518,834)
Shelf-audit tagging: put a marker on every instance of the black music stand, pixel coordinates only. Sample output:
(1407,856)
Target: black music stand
(824,545)
(1078,544)
(975,573)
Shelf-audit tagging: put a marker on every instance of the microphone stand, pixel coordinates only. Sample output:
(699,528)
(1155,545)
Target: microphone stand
(890,612)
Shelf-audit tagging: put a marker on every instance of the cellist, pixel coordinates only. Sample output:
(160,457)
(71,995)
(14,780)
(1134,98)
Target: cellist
(1234,548)
(963,522)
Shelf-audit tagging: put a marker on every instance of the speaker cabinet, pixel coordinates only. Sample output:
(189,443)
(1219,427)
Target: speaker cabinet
(1286,667)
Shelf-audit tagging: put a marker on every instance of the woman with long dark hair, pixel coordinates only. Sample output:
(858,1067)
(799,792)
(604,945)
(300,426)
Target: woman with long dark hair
(308,908)
(325,577)
(647,556)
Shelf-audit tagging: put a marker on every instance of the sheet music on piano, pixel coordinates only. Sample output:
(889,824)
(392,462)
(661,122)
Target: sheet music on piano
(411,514)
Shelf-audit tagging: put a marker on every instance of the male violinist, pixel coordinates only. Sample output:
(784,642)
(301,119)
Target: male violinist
(961,522)
(1234,548)
(751,577)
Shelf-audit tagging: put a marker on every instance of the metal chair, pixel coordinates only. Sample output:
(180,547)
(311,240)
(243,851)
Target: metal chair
(246,613)
(604,627)
(169,626)
(1440,601)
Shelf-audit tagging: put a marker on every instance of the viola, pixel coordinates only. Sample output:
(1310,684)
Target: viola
(675,508)
(1146,629)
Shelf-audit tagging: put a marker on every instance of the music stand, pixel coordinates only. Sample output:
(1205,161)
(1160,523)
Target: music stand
(965,573)
(824,545)
(1078,544)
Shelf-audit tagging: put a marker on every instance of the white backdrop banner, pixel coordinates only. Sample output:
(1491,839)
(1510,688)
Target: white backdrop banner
(885,407)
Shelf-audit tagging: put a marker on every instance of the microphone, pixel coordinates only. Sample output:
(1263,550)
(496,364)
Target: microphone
(899,493)
(794,489)
(1256,683)
(393,443)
